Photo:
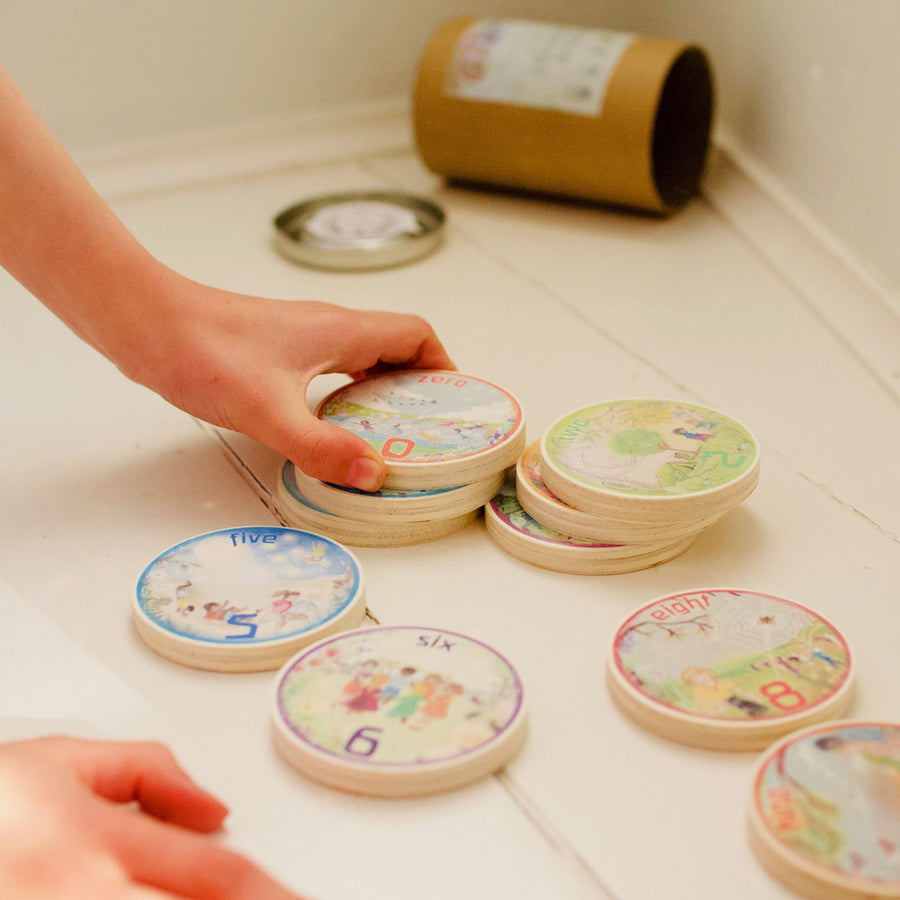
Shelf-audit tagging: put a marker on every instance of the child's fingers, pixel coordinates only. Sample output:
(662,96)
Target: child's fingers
(146,773)
(171,859)
(392,340)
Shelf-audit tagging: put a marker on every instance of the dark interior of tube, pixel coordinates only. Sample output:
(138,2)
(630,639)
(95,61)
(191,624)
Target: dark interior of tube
(681,130)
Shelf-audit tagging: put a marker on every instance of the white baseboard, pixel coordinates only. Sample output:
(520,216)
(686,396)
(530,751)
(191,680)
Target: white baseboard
(834,282)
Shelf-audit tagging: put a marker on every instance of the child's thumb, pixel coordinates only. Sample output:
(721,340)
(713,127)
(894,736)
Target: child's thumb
(332,454)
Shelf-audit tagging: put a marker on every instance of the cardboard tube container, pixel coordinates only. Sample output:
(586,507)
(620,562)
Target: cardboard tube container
(575,112)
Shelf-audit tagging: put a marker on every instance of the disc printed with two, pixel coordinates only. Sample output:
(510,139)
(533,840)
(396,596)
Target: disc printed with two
(647,460)
(397,711)
(728,669)
(246,599)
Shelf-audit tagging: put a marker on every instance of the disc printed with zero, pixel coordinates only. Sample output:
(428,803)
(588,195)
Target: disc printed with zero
(433,428)
(398,711)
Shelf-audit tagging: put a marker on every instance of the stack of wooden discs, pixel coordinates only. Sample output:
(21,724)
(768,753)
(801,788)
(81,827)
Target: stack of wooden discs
(622,486)
(529,540)
(446,439)
(644,470)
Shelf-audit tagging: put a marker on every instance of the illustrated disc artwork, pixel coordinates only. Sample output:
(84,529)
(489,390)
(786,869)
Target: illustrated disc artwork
(396,710)
(423,416)
(825,810)
(650,448)
(238,591)
(728,668)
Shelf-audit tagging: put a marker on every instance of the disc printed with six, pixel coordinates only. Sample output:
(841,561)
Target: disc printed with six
(397,711)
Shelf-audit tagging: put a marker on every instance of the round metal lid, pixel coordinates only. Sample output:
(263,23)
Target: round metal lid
(359,230)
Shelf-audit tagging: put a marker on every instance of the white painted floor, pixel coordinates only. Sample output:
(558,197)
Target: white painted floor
(565,305)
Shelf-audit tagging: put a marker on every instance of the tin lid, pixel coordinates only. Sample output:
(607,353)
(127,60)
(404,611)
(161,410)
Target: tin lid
(433,428)
(398,711)
(823,811)
(244,599)
(728,669)
(359,230)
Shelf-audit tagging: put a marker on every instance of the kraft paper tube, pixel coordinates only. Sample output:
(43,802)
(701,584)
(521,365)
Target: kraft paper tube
(642,144)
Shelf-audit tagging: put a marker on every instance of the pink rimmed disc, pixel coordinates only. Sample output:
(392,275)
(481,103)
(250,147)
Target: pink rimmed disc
(824,814)
(434,429)
(728,669)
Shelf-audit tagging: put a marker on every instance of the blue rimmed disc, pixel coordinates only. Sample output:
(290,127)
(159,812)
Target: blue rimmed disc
(247,598)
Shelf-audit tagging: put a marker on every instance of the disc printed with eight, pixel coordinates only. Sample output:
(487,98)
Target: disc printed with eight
(728,669)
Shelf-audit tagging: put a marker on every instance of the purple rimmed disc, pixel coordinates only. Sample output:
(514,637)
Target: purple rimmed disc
(397,711)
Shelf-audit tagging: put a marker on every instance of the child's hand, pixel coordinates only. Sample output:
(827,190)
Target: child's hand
(236,361)
(245,363)
(66,835)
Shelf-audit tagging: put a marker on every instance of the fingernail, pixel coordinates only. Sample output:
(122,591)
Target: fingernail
(364,474)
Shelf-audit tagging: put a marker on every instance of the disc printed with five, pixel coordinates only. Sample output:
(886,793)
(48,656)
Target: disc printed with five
(245,599)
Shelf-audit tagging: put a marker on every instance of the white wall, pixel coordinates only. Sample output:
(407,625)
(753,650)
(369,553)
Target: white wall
(105,72)
(808,89)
